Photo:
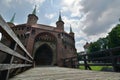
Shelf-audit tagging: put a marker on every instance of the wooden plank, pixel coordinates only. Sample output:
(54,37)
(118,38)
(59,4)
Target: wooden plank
(12,52)
(12,66)
(101,52)
(101,58)
(9,31)
(97,59)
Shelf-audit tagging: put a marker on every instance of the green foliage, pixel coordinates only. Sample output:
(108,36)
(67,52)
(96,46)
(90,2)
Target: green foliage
(79,57)
(96,68)
(111,41)
(103,42)
(94,47)
(114,37)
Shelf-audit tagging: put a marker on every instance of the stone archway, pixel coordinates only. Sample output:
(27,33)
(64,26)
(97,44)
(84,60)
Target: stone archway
(43,55)
(47,41)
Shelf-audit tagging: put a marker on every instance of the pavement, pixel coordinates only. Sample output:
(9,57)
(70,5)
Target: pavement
(60,73)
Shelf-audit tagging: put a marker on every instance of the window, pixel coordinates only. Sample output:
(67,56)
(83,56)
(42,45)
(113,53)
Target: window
(22,28)
(28,28)
(33,31)
(25,36)
(65,46)
(58,35)
(18,28)
(17,35)
(0,36)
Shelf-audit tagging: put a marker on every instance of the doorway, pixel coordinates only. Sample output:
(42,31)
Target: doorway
(43,55)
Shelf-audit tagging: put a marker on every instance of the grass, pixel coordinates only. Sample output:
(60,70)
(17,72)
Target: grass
(96,68)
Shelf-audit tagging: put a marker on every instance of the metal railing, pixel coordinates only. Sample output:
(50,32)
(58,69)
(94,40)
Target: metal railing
(14,58)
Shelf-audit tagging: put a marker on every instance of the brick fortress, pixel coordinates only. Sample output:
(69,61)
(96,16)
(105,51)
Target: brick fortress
(47,44)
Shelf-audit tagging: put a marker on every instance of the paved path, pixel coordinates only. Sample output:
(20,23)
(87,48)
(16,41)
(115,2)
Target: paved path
(58,73)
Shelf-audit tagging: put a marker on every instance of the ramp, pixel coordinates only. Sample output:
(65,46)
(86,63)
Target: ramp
(59,73)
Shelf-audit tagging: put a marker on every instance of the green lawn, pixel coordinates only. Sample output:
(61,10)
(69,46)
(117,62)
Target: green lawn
(96,68)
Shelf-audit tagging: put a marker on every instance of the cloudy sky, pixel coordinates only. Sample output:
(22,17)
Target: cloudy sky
(90,19)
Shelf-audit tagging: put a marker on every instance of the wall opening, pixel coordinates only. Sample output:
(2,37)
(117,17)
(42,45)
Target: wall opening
(43,55)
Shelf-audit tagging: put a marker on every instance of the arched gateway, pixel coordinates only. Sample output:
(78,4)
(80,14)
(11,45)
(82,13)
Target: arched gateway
(43,55)
(45,49)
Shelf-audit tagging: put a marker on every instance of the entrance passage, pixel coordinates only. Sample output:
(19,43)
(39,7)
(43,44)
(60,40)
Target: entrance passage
(43,55)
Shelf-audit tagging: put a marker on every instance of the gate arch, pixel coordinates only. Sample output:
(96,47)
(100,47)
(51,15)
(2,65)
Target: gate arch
(47,41)
(43,55)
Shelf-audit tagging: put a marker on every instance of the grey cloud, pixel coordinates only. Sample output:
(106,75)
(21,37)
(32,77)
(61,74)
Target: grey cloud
(101,14)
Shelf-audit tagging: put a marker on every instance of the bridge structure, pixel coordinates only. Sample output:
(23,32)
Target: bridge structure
(15,59)
(108,57)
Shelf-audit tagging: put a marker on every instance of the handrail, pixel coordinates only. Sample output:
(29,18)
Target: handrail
(12,66)
(17,57)
(12,35)
(11,52)
(108,57)
(106,50)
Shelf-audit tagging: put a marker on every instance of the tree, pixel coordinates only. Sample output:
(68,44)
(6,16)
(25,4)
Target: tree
(114,37)
(94,47)
(103,43)
(111,41)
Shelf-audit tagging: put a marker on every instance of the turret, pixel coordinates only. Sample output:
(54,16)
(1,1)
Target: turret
(11,22)
(32,18)
(71,32)
(60,23)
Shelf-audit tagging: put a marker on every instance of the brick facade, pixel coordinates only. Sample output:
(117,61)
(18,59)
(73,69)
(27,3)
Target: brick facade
(34,35)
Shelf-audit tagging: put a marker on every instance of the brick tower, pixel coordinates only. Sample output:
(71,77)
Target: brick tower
(47,44)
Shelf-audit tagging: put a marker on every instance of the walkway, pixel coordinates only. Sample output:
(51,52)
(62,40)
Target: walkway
(58,73)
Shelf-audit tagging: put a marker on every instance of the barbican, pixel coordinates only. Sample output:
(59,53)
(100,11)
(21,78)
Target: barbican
(48,45)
